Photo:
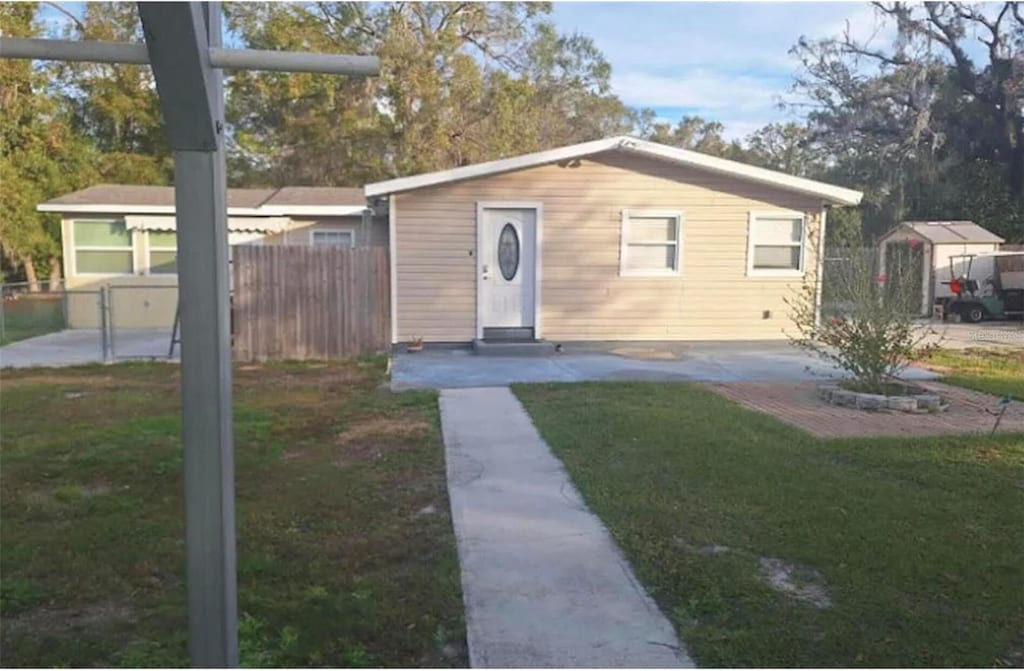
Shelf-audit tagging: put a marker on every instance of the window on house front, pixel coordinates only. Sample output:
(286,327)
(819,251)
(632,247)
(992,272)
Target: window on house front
(102,248)
(331,238)
(651,243)
(775,244)
(163,252)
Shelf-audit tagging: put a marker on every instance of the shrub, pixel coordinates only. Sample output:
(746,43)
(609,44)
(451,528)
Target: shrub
(869,324)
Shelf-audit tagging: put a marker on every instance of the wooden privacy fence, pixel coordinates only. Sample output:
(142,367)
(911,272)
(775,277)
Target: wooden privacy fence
(309,302)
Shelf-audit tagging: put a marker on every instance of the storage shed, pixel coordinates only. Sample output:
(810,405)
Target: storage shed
(939,241)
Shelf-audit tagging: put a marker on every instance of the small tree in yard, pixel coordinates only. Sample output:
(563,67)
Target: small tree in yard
(868,325)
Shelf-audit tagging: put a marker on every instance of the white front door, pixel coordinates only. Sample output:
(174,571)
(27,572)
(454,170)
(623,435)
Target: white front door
(507,268)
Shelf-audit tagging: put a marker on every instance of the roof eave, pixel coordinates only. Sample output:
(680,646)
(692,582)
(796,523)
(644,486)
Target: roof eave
(265,211)
(834,194)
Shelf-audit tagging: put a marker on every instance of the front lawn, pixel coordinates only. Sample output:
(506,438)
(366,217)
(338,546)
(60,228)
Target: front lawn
(995,371)
(916,543)
(346,555)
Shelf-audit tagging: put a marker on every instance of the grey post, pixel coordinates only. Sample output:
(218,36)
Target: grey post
(104,306)
(178,36)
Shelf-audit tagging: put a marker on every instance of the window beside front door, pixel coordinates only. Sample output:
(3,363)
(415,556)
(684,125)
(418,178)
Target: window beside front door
(651,243)
(775,244)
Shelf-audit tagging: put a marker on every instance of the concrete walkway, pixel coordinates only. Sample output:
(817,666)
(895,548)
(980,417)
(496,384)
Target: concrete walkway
(543,581)
(75,347)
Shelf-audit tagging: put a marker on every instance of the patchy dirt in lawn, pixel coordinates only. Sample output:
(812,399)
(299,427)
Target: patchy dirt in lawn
(46,621)
(370,439)
(384,427)
(803,583)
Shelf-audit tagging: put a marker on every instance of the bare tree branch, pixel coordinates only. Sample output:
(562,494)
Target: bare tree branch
(60,8)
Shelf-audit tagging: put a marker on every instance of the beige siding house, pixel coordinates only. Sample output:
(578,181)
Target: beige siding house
(618,239)
(123,237)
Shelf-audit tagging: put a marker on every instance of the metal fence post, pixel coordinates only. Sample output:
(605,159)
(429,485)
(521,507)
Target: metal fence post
(64,305)
(104,304)
(111,327)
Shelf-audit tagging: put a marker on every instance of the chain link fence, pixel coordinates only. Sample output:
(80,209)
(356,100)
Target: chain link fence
(901,271)
(31,309)
(112,321)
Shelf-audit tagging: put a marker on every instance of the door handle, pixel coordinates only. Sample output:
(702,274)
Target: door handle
(485,269)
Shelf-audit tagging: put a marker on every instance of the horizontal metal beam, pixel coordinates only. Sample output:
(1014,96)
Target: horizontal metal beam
(69,50)
(227,59)
(293,61)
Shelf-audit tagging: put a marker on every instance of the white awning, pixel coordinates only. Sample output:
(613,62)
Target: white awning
(163,223)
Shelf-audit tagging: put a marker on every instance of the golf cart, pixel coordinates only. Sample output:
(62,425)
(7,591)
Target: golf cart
(1001,295)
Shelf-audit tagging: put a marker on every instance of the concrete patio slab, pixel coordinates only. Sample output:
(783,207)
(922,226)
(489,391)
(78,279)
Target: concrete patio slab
(703,362)
(544,584)
(76,347)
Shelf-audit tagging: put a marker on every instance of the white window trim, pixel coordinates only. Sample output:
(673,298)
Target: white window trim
(624,243)
(149,254)
(788,215)
(73,263)
(351,235)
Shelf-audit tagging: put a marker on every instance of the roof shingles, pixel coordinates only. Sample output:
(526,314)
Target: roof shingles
(125,195)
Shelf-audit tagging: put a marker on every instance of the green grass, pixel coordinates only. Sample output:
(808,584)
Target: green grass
(336,566)
(919,542)
(30,315)
(995,371)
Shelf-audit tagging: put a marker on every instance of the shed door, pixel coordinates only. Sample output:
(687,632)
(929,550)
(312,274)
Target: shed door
(506,286)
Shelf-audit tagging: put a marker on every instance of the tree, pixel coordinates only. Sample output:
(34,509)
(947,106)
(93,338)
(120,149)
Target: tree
(786,147)
(908,122)
(115,106)
(40,156)
(697,134)
(460,83)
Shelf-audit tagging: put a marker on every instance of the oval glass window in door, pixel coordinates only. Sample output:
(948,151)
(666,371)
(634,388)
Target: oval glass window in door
(508,251)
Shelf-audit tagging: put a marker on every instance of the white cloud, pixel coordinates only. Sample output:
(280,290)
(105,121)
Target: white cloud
(727,62)
(695,88)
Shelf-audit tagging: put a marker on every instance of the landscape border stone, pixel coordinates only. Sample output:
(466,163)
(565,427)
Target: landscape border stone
(921,402)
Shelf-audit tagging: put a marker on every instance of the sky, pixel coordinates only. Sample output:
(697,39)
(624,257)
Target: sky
(724,61)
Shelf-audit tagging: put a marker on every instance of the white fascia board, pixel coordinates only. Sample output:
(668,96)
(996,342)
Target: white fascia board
(105,209)
(268,211)
(781,180)
(490,167)
(312,210)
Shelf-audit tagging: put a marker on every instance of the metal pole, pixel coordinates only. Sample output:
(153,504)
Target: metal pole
(290,61)
(232,59)
(201,205)
(111,329)
(73,50)
(104,341)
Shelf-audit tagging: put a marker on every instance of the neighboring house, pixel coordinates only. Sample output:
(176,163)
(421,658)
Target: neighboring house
(940,241)
(124,237)
(617,239)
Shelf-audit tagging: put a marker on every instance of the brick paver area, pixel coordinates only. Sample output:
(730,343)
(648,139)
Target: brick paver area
(797,403)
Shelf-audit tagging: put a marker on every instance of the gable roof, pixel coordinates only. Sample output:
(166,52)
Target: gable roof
(942,232)
(830,192)
(136,199)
